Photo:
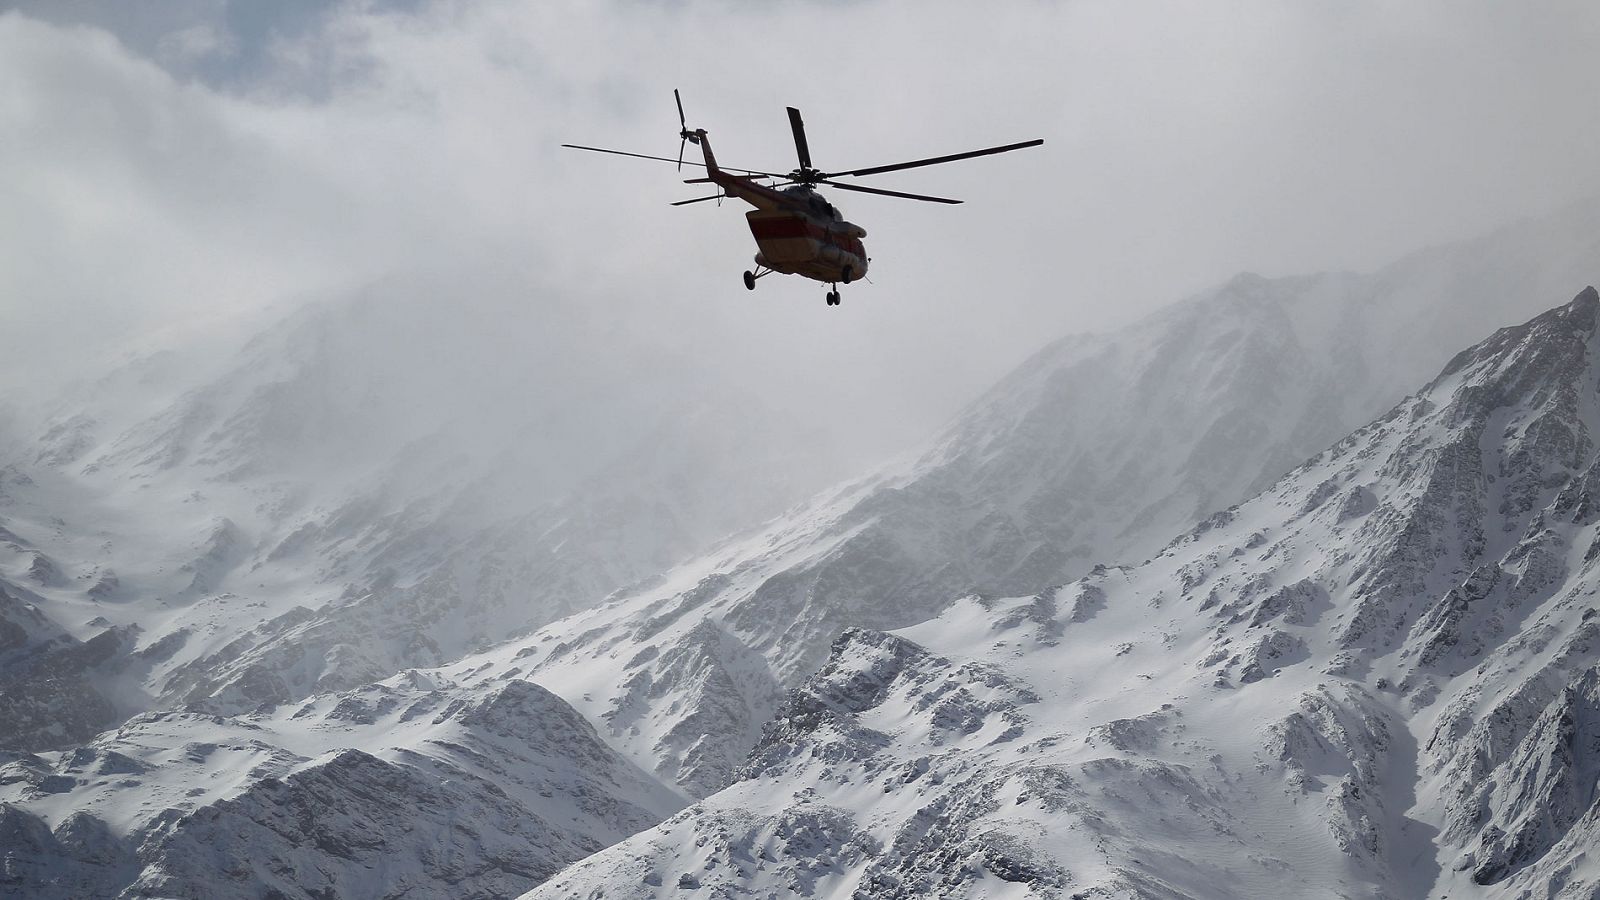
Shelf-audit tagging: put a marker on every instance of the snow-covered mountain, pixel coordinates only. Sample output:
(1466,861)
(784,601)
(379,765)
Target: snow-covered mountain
(1378,678)
(1097,449)
(324,509)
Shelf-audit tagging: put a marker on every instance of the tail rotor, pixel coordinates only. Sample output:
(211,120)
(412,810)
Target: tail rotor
(685,136)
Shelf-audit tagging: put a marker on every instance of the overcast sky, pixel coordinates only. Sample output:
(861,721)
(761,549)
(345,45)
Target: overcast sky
(168,170)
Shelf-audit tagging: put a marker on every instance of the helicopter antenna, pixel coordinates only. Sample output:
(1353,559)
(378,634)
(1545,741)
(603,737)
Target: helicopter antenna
(685,136)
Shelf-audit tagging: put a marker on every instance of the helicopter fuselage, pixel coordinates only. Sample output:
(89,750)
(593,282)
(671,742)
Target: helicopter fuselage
(797,231)
(797,243)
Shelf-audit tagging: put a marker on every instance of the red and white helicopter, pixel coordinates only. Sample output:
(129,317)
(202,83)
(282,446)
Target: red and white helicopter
(797,231)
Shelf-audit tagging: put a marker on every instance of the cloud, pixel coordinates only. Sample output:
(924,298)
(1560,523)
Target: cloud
(193,44)
(1185,141)
(133,200)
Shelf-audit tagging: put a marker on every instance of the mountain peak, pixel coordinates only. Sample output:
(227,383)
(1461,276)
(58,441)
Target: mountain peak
(1586,303)
(1554,343)
(1583,311)
(1588,298)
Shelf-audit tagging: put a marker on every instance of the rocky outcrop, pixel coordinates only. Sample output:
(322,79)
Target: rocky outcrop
(50,682)
(1546,790)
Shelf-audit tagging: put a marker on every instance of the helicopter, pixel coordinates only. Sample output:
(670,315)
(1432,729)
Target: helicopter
(797,231)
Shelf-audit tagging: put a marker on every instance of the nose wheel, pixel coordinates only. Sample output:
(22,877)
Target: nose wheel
(751,277)
(833,298)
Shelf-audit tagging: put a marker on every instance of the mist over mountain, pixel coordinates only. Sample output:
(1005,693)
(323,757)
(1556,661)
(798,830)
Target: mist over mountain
(398,503)
(366,486)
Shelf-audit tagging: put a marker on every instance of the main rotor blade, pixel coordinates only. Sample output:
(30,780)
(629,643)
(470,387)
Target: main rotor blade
(698,200)
(689,162)
(867,190)
(874,170)
(801,148)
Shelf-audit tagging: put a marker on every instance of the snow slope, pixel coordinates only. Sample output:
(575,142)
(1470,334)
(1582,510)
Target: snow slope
(1378,678)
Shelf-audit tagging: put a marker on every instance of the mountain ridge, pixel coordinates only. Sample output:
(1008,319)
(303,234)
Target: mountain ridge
(1331,667)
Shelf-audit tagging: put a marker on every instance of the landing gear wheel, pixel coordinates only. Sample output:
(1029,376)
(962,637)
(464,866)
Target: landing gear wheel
(848,274)
(749,281)
(833,298)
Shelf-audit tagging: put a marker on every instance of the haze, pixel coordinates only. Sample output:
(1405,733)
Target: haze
(178,176)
